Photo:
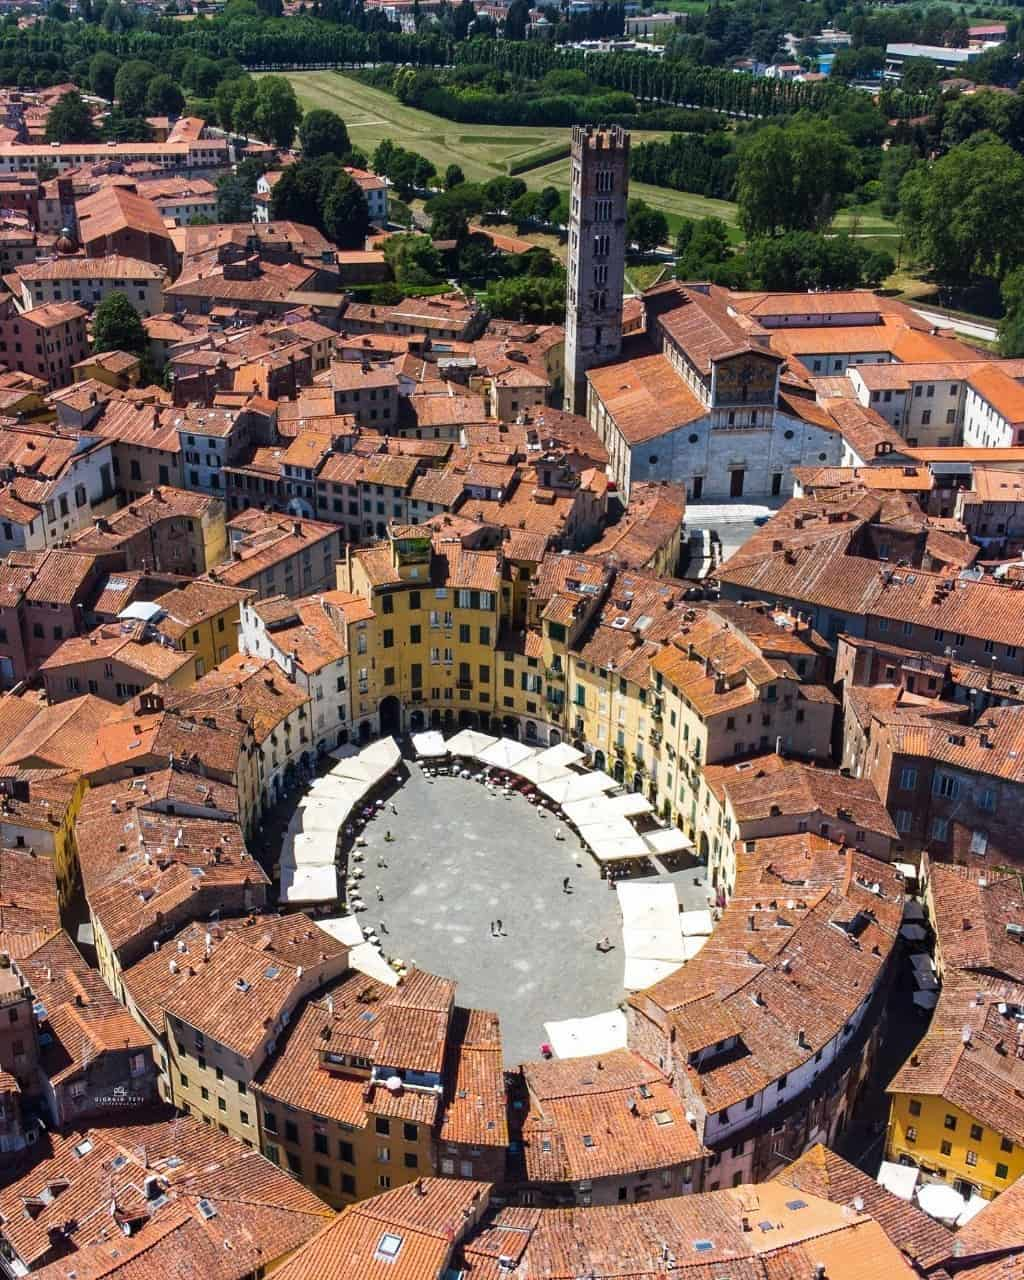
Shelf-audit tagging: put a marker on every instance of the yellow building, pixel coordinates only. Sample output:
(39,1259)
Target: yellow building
(955,1103)
(39,813)
(203,618)
(435,634)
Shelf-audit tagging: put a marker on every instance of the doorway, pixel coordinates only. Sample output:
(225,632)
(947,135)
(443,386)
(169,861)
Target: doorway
(736,483)
(390,715)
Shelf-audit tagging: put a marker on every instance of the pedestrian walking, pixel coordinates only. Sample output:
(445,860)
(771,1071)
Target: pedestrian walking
(394,808)
(380,893)
(501,929)
(493,934)
(566,886)
(382,927)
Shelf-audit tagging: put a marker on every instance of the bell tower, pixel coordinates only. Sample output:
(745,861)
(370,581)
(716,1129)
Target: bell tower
(599,187)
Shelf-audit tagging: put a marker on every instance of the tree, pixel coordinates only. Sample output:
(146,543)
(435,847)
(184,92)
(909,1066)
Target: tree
(647,228)
(277,113)
(323,133)
(961,213)
(102,73)
(163,97)
(451,211)
(516,18)
(131,84)
(701,247)
(1011,327)
(413,259)
(453,175)
(789,177)
(345,215)
(501,193)
(201,75)
(896,164)
(234,202)
(70,120)
(534,299)
(116,327)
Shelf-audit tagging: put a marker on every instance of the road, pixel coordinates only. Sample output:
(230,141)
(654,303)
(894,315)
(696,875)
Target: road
(969,328)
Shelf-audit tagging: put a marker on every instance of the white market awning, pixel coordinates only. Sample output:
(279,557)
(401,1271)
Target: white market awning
(561,754)
(638,973)
(940,1201)
(382,755)
(429,745)
(506,753)
(668,840)
(308,884)
(536,771)
(578,786)
(581,1037)
(900,1179)
(470,742)
(613,841)
(313,849)
(696,924)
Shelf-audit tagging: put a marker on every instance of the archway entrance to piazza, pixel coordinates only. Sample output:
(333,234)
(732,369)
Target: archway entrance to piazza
(390,716)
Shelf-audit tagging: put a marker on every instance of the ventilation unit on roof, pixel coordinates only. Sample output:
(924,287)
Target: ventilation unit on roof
(620,623)
(207,1209)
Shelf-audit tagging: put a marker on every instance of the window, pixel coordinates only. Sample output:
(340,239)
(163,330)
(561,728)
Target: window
(382,1125)
(323,1175)
(320,1143)
(915,1107)
(972,1158)
(291,1131)
(1005,1144)
(410,1132)
(977,1132)
(1002,1171)
(270,1122)
(221,1105)
(946,1147)
(348,1184)
(950,1123)
(911,1133)
(940,828)
(411,1160)
(903,819)
(908,779)
(294,1163)
(384,1155)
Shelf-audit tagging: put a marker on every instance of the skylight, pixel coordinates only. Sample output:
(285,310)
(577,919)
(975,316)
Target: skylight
(389,1245)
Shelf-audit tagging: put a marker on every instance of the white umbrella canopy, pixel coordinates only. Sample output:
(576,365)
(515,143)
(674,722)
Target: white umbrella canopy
(429,745)
(382,755)
(578,786)
(669,840)
(536,771)
(941,1202)
(561,753)
(506,753)
(470,742)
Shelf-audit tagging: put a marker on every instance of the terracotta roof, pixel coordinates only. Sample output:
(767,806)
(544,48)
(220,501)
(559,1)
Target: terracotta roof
(114,209)
(645,397)
(261,1210)
(28,892)
(1003,393)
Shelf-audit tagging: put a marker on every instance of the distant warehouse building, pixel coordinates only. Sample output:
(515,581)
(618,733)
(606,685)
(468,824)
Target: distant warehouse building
(953,60)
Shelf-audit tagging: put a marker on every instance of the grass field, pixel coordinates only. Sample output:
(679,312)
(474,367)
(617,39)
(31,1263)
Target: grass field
(484,151)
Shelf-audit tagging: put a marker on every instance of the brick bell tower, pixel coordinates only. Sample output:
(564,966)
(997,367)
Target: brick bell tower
(599,187)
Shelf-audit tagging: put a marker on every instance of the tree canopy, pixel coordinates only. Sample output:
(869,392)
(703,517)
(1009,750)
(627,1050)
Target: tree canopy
(323,133)
(116,326)
(70,120)
(790,177)
(345,215)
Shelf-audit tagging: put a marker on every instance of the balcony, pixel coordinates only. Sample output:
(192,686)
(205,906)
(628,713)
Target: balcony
(554,673)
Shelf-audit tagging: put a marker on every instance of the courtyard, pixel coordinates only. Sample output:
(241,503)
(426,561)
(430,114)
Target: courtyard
(461,858)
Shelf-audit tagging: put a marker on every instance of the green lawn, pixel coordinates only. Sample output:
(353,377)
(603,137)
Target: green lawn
(484,151)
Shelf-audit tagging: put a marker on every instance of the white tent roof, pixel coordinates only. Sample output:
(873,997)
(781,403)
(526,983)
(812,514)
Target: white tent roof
(343,793)
(317,816)
(313,849)
(654,944)
(353,769)
(562,753)
(578,786)
(429,745)
(654,906)
(971,1209)
(308,883)
(696,924)
(363,955)
(580,1037)
(470,742)
(900,1179)
(669,840)
(382,755)
(639,973)
(595,809)
(940,1201)
(536,771)
(611,841)
(506,753)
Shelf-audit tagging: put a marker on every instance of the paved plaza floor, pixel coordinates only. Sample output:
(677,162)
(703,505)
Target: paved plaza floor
(461,858)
